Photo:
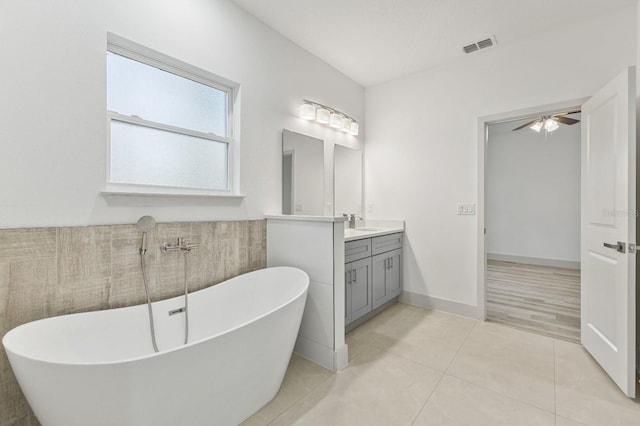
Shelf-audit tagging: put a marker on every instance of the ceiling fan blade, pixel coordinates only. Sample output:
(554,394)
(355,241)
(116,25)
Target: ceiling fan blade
(565,120)
(575,111)
(525,125)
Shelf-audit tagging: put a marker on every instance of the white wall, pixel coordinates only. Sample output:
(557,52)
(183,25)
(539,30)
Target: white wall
(422,137)
(532,192)
(53,126)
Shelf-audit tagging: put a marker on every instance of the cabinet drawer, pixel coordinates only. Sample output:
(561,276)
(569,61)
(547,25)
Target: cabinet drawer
(358,249)
(386,243)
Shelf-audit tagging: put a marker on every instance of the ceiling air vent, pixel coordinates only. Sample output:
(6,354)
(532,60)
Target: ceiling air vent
(482,44)
(485,43)
(470,48)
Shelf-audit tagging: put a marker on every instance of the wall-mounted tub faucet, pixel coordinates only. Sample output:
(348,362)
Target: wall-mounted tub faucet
(182,245)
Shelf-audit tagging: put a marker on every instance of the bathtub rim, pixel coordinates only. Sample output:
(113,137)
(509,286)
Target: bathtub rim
(7,336)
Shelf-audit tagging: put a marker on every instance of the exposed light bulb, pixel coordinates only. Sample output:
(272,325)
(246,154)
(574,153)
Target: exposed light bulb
(537,126)
(550,125)
(322,115)
(308,111)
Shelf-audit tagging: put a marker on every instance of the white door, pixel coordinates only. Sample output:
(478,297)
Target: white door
(608,227)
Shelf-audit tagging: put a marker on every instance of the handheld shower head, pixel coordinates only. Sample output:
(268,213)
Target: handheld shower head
(145,224)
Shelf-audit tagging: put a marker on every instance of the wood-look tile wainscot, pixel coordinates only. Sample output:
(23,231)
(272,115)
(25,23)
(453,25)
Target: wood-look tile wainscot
(53,271)
(540,299)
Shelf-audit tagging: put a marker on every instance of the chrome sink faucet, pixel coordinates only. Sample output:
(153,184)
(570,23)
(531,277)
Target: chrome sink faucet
(182,245)
(351,218)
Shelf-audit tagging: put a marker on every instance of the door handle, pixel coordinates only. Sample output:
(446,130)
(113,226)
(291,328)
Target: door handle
(620,247)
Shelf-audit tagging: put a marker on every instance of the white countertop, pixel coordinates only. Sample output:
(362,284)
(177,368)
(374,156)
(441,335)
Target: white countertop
(305,218)
(368,229)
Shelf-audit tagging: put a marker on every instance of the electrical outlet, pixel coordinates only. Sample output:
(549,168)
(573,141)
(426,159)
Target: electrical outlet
(466,208)
(299,208)
(370,208)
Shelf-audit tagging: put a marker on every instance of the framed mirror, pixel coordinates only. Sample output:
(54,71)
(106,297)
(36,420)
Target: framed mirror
(303,174)
(347,180)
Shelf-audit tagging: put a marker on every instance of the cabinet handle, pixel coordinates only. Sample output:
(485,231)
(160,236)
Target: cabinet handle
(386,260)
(391,260)
(349,278)
(355,275)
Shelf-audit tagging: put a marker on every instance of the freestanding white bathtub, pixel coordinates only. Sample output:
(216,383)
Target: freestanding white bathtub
(99,368)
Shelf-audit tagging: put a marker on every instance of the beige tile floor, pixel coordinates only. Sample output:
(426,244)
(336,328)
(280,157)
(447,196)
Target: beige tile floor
(412,366)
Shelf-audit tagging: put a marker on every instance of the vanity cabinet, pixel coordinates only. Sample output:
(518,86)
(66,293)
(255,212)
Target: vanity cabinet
(387,279)
(358,289)
(373,275)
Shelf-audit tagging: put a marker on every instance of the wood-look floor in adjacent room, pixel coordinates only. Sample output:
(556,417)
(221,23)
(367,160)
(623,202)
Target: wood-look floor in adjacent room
(539,299)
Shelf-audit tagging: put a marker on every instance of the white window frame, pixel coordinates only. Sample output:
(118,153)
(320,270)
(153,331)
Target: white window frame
(136,52)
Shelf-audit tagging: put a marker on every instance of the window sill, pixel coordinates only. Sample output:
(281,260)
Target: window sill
(129,193)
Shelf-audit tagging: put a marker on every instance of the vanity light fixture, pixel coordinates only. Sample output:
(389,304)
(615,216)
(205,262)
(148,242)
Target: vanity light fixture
(308,111)
(354,128)
(323,114)
(336,120)
(346,124)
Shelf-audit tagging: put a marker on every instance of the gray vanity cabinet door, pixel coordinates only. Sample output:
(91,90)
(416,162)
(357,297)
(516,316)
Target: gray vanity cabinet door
(394,274)
(379,279)
(358,289)
(348,273)
(387,277)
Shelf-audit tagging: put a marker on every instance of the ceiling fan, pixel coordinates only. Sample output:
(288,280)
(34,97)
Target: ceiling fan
(550,122)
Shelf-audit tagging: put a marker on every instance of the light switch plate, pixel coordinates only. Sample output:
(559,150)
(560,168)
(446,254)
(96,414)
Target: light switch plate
(466,208)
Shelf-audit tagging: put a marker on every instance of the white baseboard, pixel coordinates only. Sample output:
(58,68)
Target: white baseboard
(321,354)
(557,263)
(438,304)
(341,358)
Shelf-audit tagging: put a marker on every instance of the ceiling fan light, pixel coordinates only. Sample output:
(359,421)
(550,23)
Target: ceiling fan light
(308,111)
(322,115)
(537,126)
(550,125)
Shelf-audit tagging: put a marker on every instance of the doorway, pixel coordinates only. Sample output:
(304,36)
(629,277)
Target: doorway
(532,208)
(490,262)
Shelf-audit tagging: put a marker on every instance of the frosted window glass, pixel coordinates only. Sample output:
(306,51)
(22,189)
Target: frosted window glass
(143,155)
(134,88)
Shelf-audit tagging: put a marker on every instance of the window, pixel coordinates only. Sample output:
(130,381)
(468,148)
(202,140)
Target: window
(170,124)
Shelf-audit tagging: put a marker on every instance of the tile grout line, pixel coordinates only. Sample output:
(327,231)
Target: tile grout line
(502,395)
(461,345)
(427,400)
(444,373)
(333,373)
(499,393)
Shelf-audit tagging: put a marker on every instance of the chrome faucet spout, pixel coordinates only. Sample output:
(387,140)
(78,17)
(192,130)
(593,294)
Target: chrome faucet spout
(351,218)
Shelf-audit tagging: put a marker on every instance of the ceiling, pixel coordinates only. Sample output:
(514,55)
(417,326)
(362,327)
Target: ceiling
(373,41)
